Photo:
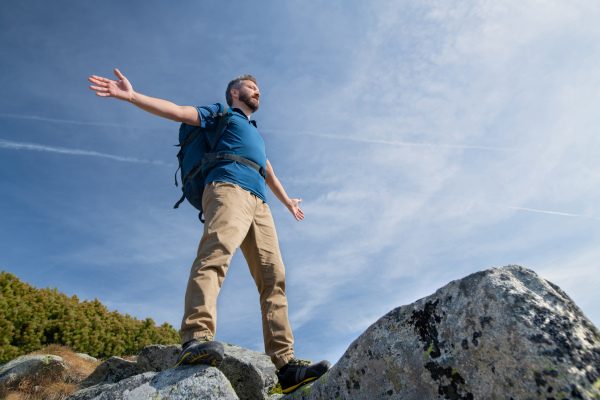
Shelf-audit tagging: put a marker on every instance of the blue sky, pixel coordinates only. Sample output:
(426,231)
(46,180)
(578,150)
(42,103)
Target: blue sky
(427,140)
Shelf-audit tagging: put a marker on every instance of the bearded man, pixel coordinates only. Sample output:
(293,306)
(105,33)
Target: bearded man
(236,216)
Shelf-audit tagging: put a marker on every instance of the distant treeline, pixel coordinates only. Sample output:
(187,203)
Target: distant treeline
(32,318)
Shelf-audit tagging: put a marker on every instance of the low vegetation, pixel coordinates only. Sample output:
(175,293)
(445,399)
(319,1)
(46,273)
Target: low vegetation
(32,318)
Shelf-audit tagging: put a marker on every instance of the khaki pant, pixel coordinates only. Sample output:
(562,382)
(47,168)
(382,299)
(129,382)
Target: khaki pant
(237,218)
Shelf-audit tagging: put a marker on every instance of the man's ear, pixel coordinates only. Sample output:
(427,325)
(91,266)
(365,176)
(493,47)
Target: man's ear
(235,94)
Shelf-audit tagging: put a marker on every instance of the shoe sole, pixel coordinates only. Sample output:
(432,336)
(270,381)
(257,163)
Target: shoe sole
(305,381)
(292,388)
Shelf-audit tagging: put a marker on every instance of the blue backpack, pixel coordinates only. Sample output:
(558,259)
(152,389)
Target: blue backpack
(197,155)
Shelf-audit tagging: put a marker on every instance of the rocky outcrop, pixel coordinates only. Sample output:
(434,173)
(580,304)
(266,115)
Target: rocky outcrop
(243,374)
(501,333)
(186,382)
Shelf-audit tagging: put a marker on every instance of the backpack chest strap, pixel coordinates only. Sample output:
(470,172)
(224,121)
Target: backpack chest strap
(212,157)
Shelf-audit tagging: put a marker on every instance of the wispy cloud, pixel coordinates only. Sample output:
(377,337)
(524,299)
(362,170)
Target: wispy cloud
(6,144)
(388,142)
(276,131)
(73,122)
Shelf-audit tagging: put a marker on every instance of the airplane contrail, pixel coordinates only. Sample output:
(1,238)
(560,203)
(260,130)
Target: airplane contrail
(6,144)
(70,121)
(390,142)
(508,206)
(62,121)
(551,212)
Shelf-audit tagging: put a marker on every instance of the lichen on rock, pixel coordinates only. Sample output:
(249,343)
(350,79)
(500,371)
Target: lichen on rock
(499,333)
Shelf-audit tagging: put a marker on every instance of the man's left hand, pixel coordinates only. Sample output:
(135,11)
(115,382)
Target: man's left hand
(295,209)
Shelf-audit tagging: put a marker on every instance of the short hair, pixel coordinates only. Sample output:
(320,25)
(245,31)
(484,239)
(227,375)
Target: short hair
(235,84)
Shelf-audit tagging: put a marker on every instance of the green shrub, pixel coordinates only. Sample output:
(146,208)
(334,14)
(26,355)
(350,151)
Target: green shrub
(32,318)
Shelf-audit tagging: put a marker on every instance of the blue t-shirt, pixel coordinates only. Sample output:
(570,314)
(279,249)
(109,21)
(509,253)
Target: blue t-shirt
(240,138)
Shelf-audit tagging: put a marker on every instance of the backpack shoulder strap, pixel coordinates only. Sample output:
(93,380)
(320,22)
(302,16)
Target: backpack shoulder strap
(224,117)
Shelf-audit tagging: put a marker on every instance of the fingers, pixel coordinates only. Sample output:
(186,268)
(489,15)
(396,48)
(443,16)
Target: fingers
(98,80)
(296,211)
(299,214)
(100,89)
(119,74)
(102,85)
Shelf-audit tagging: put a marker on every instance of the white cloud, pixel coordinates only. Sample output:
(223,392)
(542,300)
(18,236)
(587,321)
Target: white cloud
(450,125)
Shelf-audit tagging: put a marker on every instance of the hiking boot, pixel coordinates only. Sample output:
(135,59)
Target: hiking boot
(298,372)
(201,351)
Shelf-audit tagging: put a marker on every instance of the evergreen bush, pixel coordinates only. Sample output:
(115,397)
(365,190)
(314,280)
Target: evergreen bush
(32,318)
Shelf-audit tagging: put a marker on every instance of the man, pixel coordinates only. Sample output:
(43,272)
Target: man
(237,215)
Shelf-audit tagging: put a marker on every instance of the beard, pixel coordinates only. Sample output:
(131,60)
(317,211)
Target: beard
(251,102)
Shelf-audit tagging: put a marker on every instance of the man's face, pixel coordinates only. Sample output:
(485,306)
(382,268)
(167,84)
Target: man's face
(249,95)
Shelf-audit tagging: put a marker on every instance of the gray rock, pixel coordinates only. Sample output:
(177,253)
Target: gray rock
(497,334)
(251,373)
(500,333)
(113,370)
(21,367)
(158,358)
(87,357)
(187,382)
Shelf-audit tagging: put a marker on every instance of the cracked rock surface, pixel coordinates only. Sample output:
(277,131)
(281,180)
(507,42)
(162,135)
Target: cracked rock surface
(500,333)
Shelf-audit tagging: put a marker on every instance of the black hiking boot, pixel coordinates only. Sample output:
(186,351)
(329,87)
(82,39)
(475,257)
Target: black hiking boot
(201,351)
(298,372)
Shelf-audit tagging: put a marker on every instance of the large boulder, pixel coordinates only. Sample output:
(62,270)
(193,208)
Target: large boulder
(113,370)
(25,366)
(501,333)
(181,383)
(250,372)
(158,358)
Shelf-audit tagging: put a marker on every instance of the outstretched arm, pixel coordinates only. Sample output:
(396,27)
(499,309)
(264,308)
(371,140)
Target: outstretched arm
(277,189)
(123,90)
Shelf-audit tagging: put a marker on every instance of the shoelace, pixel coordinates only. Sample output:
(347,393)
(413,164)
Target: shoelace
(204,339)
(299,362)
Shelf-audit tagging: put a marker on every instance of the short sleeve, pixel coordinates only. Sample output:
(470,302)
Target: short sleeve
(205,111)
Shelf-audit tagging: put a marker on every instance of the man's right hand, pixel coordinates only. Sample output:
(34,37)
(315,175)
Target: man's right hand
(121,90)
